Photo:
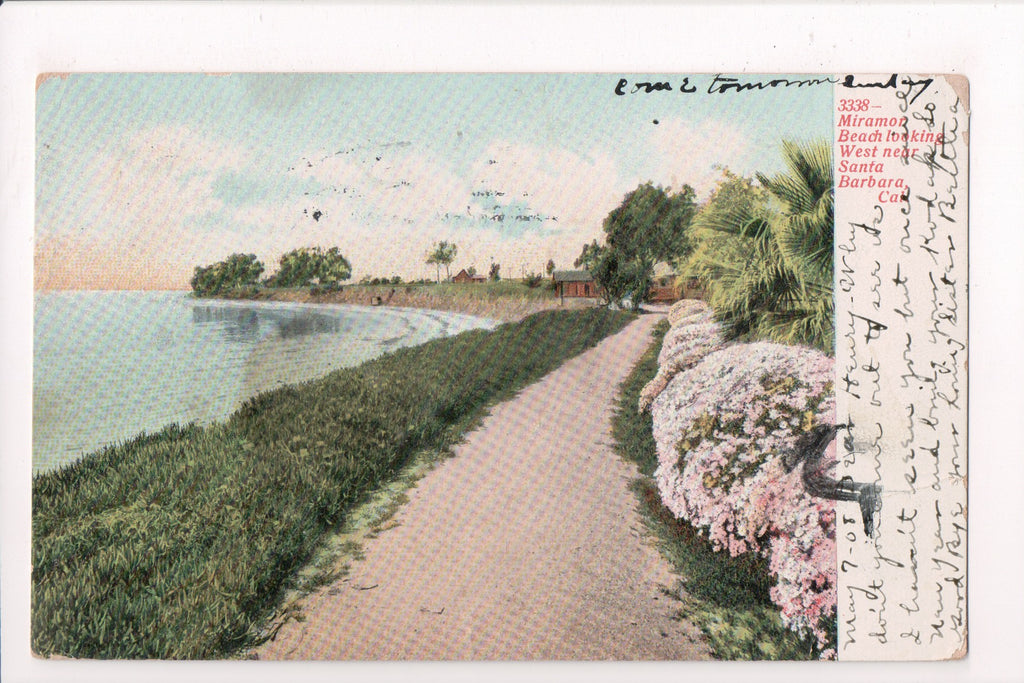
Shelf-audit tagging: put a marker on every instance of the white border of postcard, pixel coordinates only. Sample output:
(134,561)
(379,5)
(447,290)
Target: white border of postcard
(979,41)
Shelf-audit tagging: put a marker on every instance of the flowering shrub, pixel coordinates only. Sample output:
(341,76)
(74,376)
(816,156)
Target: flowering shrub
(721,429)
(684,311)
(693,335)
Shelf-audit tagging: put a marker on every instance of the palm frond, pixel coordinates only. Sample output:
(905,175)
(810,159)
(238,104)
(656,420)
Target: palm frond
(768,261)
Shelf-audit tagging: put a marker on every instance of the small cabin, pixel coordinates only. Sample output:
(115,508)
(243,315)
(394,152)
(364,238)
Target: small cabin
(691,288)
(669,286)
(663,294)
(671,291)
(464,276)
(575,283)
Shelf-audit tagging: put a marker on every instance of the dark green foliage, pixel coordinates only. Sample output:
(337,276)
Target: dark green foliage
(603,265)
(533,280)
(236,271)
(309,265)
(766,254)
(649,226)
(443,254)
(727,597)
(378,281)
(180,544)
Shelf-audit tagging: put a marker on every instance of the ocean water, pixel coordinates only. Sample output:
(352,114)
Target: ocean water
(108,365)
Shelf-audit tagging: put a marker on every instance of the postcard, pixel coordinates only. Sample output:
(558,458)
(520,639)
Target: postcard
(500,366)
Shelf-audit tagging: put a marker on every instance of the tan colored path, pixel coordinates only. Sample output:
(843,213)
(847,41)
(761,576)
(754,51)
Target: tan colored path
(524,546)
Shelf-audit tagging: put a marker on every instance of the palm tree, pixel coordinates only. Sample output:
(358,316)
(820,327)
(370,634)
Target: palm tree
(803,230)
(767,259)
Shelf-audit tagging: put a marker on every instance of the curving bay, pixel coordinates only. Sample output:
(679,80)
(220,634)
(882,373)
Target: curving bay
(110,364)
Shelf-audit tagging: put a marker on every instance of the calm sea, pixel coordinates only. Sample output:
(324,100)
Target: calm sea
(108,365)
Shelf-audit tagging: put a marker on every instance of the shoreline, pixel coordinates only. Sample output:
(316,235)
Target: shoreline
(198,531)
(511,303)
(269,363)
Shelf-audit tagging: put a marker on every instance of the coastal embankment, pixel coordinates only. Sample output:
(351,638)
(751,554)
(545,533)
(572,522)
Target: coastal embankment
(182,543)
(506,301)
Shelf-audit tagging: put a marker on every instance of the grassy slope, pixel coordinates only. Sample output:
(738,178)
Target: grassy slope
(181,543)
(726,597)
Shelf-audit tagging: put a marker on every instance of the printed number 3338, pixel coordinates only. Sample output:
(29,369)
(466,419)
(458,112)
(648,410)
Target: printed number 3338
(853,105)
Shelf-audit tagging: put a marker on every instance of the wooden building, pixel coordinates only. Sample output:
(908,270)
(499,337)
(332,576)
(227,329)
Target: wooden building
(663,294)
(691,288)
(463,276)
(575,283)
(670,286)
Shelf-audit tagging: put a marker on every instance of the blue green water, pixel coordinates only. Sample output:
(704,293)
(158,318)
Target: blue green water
(108,365)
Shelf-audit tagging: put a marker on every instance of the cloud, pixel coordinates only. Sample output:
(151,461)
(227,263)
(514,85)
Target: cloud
(159,175)
(681,153)
(577,190)
(174,195)
(242,187)
(392,181)
(130,208)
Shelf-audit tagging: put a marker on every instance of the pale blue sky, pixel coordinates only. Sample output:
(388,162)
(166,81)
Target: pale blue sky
(143,176)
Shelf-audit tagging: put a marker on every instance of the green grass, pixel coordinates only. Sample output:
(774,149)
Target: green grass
(726,597)
(182,544)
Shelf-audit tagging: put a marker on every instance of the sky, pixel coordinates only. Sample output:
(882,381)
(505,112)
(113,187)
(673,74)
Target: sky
(142,177)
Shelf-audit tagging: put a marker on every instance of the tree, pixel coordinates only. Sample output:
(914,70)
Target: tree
(604,266)
(649,226)
(769,273)
(303,266)
(333,267)
(237,270)
(444,253)
(495,272)
(550,267)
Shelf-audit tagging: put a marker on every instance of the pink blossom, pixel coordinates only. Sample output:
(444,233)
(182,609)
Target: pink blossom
(722,422)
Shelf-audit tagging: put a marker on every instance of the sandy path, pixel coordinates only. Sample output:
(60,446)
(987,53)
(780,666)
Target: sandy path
(524,546)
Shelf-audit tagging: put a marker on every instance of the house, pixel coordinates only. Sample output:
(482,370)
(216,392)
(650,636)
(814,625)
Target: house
(663,285)
(690,287)
(669,286)
(463,276)
(663,294)
(669,291)
(575,283)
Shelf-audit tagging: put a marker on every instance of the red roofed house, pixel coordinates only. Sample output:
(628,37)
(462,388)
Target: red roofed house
(575,283)
(464,276)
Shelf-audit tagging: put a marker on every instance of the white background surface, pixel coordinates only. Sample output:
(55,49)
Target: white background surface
(980,41)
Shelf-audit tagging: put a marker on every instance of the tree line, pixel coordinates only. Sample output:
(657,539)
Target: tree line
(298,268)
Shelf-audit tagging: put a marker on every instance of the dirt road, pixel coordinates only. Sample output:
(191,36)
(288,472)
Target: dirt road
(524,546)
